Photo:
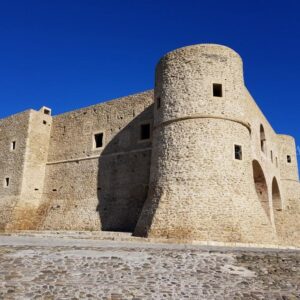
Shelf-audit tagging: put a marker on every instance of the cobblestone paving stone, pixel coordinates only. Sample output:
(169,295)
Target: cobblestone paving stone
(125,272)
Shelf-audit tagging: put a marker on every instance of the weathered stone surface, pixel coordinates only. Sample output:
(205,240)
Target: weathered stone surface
(197,189)
(182,182)
(39,268)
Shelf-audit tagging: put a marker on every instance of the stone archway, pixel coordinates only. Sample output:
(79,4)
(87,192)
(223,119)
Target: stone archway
(277,204)
(261,186)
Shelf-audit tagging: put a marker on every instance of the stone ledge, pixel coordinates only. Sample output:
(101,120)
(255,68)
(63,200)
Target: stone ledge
(127,237)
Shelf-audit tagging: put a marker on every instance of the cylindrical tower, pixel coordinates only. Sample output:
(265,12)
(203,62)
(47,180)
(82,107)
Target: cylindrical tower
(201,158)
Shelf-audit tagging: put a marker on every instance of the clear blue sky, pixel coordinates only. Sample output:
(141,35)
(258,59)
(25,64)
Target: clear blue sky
(70,54)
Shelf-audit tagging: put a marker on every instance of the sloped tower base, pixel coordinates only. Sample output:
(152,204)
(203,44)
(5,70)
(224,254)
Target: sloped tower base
(205,205)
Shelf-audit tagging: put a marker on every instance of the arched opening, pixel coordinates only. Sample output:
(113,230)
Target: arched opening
(261,186)
(277,205)
(263,139)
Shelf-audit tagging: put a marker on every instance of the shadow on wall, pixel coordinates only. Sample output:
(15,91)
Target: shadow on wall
(123,176)
(261,187)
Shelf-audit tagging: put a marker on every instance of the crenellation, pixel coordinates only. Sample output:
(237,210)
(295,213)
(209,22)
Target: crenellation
(193,159)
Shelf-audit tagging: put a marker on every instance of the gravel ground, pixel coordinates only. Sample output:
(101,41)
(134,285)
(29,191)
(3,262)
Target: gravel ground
(56,268)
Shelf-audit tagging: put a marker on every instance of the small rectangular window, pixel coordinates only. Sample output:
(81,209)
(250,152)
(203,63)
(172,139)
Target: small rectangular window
(98,140)
(13,145)
(145,132)
(158,102)
(238,153)
(289,159)
(217,90)
(6,182)
(271,156)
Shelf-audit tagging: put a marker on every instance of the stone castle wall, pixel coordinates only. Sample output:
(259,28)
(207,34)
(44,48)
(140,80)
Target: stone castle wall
(12,129)
(105,188)
(184,181)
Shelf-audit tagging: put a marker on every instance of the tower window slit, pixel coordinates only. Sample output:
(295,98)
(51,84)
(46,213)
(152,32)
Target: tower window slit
(158,102)
(217,90)
(272,156)
(98,139)
(238,153)
(145,132)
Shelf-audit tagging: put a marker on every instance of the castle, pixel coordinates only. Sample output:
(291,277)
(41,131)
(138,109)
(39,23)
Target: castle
(195,159)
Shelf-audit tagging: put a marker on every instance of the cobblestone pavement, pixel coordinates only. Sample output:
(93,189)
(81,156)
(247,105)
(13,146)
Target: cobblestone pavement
(49,268)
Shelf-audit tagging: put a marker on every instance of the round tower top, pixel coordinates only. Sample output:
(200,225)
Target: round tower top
(204,79)
(208,49)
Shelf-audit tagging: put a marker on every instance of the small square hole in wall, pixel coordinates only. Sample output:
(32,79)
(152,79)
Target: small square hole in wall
(6,182)
(145,132)
(98,140)
(13,145)
(289,159)
(44,122)
(47,111)
(238,153)
(217,90)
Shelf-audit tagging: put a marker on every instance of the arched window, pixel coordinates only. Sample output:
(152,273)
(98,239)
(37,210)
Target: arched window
(263,139)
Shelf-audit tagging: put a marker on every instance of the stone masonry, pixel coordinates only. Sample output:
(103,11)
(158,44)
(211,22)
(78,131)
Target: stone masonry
(195,159)
(49,267)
